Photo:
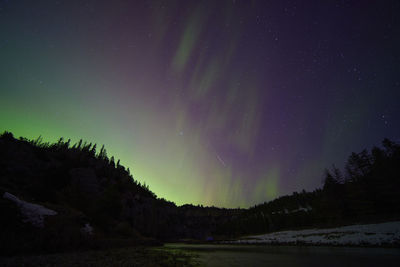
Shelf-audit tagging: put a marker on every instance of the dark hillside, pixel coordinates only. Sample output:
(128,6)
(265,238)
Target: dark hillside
(86,187)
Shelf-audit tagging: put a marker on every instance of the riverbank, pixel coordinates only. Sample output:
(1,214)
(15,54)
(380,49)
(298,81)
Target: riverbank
(370,235)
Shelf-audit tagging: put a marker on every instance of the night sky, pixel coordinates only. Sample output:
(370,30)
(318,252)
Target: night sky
(225,103)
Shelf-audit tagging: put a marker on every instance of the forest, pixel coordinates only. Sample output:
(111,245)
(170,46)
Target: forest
(87,188)
(366,191)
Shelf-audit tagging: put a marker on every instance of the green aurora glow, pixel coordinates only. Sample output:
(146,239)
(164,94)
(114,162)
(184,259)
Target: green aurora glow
(214,102)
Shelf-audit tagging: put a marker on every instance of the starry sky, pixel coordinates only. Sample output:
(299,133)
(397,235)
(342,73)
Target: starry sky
(224,103)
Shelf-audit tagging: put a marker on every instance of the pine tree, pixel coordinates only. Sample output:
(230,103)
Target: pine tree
(329,182)
(79,144)
(93,150)
(112,162)
(103,153)
(337,175)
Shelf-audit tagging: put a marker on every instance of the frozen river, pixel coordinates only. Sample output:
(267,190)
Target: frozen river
(267,255)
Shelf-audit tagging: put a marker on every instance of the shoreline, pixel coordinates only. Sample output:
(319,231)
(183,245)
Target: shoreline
(363,235)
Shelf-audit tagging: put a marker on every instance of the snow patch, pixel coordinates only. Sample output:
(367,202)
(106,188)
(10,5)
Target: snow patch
(366,234)
(286,211)
(33,213)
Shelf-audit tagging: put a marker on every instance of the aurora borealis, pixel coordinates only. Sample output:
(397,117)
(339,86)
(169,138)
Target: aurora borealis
(225,103)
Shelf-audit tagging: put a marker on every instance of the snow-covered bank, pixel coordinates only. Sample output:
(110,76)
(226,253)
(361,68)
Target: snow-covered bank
(366,234)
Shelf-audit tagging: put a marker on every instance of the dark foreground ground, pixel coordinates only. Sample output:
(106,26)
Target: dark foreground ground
(217,255)
(134,256)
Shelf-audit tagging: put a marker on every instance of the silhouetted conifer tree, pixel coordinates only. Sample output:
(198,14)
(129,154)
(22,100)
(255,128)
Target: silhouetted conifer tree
(92,151)
(67,144)
(112,161)
(337,175)
(329,181)
(79,146)
(102,153)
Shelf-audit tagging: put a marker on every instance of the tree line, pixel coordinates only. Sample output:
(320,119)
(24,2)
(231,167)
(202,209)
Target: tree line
(366,190)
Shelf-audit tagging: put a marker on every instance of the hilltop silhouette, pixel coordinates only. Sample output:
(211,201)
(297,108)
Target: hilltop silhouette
(87,190)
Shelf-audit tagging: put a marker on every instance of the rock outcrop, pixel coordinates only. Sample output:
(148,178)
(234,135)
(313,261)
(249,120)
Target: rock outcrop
(32,213)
